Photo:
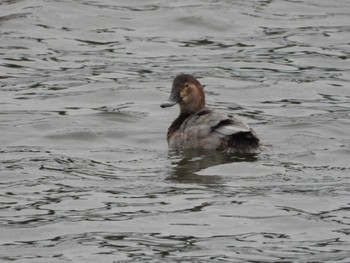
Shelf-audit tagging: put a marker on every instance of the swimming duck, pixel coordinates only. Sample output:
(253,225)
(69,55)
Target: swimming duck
(199,127)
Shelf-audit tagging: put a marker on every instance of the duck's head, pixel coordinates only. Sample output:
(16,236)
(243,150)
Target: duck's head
(188,93)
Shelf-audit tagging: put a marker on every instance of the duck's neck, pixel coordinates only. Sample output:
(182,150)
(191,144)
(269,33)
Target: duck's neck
(177,123)
(193,102)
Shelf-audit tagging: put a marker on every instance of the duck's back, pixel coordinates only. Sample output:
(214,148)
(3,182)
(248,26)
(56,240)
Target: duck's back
(212,130)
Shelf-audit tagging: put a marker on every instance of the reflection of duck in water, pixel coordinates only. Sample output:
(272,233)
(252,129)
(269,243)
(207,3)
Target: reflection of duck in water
(199,127)
(188,163)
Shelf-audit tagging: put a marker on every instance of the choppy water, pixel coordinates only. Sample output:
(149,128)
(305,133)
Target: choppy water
(85,171)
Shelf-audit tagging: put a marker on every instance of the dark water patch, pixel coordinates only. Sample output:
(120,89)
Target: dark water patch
(96,43)
(13,16)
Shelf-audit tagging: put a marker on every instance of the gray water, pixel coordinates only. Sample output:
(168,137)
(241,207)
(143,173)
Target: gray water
(85,170)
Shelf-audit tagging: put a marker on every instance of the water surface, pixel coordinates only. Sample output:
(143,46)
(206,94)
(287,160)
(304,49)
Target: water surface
(85,170)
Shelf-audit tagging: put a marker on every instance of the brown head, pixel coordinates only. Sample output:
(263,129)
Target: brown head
(188,93)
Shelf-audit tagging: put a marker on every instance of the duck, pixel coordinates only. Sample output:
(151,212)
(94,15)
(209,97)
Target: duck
(199,127)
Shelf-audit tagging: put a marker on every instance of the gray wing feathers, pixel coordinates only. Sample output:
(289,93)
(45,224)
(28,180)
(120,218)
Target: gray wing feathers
(210,121)
(231,129)
(231,125)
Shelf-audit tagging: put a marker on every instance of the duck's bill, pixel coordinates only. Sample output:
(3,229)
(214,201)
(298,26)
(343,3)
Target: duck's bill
(167,104)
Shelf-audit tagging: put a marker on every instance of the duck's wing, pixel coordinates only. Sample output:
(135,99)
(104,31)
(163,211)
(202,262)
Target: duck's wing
(212,130)
(208,121)
(231,125)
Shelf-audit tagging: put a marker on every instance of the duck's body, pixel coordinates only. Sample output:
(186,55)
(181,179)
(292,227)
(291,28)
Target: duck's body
(202,128)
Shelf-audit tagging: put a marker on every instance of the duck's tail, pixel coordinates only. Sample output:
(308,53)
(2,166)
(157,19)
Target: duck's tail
(244,142)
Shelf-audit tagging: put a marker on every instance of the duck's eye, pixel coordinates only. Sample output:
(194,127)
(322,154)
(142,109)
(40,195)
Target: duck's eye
(186,85)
